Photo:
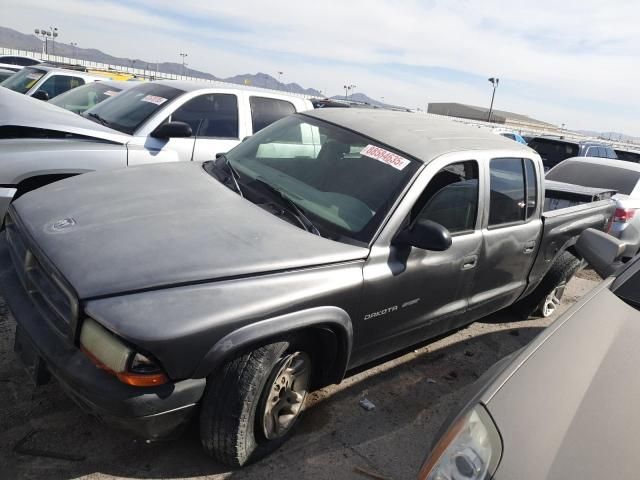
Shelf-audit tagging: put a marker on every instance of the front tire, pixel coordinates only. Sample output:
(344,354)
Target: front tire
(252,404)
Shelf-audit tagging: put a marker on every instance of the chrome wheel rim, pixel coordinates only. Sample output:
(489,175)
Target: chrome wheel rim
(286,395)
(552,301)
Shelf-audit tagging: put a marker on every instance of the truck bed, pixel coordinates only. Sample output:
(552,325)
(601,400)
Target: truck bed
(560,195)
(569,210)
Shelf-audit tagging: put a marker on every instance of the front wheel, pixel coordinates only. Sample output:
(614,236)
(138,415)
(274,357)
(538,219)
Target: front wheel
(252,404)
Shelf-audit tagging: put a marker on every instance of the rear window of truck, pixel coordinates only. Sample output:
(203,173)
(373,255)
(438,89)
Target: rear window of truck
(554,151)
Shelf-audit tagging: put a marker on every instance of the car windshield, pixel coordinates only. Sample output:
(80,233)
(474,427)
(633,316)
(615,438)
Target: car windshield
(553,151)
(344,182)
(127,111)
(23,80)
(589,174)
(82,98)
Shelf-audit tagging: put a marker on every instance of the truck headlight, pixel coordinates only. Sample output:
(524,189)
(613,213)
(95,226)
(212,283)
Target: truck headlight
(469,450)
(109,353)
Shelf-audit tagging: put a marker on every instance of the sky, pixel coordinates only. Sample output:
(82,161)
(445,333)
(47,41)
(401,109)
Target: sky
(561,61)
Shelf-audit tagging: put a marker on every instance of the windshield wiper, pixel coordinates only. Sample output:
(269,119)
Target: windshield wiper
(290,205)
(221,162)
(100,120)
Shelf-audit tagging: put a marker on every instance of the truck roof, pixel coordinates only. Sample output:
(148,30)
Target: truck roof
(192,85)
(420,136)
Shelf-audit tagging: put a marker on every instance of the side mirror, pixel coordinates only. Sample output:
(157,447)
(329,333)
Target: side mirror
(41,95)
(600,250)
(173,130)
(427,235)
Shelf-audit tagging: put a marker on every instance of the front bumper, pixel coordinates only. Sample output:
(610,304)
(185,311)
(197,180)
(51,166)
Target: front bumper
(6,196)
(151,413)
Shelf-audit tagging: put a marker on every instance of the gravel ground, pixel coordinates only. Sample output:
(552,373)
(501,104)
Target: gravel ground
(412,394)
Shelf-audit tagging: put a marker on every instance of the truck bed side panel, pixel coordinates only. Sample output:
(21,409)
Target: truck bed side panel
(561,229)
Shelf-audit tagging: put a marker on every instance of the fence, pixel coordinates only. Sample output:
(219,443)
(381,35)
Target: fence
(148,73)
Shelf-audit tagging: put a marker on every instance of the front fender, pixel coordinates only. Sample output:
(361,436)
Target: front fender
(333,317)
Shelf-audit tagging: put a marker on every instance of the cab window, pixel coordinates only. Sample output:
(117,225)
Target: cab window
(451,198)
(265,111)
(212,115)
(57,84)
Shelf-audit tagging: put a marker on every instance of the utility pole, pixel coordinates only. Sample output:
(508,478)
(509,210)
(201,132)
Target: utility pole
(184,63)
(494,82)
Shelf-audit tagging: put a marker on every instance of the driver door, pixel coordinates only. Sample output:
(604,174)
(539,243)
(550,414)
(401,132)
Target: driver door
(412,294)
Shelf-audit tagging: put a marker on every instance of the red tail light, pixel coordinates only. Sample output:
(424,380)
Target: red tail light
(623,215)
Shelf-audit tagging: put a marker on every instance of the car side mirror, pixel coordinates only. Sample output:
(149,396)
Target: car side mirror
(41,95)
(601,251)
(427,235)
(173,130)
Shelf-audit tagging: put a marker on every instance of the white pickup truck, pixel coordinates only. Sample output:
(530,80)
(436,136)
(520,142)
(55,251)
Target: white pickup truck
(162,121)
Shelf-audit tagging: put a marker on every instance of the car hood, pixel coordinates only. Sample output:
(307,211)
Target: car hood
(162,225)
(17,110)
(571,409)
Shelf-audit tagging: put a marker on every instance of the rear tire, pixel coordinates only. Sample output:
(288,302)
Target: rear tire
(545,298)
(253,403)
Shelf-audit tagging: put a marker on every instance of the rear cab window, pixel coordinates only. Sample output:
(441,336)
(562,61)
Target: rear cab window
(265,111)
(513,191)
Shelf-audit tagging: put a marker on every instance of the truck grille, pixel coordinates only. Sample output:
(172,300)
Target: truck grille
(52,298)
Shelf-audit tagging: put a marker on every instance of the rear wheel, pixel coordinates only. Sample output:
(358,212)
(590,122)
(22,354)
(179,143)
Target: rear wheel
(253,403)
(546,297)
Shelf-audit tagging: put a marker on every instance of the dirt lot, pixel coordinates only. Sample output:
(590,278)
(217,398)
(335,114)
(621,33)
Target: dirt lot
(412,393)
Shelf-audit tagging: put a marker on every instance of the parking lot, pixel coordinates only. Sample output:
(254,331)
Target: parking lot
(44,435)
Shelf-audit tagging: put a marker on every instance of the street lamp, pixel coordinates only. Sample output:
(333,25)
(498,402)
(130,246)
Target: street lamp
(42,33)
(184,63)
(346,90)
(54,33)
(74,45)
(280,80)
(494,82)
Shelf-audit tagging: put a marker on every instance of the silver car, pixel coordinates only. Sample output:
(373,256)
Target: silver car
(565,406)
(619,175)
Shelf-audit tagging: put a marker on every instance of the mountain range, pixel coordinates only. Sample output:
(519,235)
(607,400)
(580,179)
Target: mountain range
(11,38)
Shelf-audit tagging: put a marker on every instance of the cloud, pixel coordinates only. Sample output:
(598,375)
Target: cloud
(567,62)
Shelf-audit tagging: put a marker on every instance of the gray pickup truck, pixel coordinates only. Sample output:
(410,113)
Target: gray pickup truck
(231,288)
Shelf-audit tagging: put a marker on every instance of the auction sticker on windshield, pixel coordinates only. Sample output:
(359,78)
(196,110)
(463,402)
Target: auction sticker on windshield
(385,156)
(154,99)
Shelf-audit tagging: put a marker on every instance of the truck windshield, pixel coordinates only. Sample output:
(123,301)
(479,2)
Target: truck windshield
(589,174)
(127,111)
(82,98)
(23,80)
(344,182)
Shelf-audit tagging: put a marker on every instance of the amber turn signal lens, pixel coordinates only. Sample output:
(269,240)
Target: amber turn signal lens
(142,380)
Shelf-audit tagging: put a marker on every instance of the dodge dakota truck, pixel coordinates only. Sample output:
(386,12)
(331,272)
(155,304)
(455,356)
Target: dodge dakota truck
(161,121)
(227,290)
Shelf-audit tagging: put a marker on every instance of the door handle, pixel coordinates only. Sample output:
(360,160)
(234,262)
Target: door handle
(469,262)
(529,247)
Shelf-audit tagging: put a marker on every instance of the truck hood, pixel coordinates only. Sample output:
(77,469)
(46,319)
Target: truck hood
(571,409)
(160,226)
(24,117)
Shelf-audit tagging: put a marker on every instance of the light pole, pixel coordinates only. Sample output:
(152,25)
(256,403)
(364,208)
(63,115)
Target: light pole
(280,80)
(346,90)
(184,63)
(54,34)
(74,45)
(42,33)
(494,82)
